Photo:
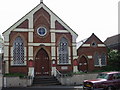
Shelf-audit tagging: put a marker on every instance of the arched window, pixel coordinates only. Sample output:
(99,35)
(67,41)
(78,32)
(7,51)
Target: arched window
(18,51)
(63,51)
(103,59)
(96,59)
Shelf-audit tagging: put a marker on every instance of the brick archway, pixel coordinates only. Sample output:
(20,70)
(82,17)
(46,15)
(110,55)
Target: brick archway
(42,63)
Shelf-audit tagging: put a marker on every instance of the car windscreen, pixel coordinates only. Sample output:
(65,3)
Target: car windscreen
(102,76)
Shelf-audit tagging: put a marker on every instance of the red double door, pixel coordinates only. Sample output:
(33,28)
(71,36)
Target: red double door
(83,64)
(42,63)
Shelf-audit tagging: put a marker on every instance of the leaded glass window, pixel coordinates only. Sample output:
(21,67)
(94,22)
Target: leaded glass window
(96,59)
(18,51)
(63,51)
(103,59)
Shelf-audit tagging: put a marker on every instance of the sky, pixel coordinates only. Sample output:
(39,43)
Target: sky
(83,16)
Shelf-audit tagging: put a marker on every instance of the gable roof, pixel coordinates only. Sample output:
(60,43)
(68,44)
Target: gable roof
(79,44)
(28,15)
(112,40)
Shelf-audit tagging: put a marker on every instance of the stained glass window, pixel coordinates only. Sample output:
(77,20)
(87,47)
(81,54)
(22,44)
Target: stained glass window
(63,51)
(18,51)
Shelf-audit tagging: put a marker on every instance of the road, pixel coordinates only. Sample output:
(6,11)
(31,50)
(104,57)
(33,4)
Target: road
(47,88)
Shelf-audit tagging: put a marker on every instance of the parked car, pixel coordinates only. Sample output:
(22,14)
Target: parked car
(104,80)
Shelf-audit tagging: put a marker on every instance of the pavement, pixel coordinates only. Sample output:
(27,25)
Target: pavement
(47,88)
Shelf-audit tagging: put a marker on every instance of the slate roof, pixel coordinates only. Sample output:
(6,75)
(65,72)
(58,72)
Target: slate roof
(112,40)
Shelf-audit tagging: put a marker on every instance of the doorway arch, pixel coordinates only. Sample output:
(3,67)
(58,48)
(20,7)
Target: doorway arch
(83,64)
(42,63)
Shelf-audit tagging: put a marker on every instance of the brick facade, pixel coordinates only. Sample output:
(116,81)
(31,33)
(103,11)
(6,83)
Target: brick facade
(88,52)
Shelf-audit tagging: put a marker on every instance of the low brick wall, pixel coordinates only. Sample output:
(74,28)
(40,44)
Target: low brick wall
(76,79)
(16,82)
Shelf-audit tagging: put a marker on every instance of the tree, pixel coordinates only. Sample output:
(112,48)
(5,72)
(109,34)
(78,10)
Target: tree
(113,61)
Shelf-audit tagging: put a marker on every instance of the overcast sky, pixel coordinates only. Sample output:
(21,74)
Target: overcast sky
(83,16)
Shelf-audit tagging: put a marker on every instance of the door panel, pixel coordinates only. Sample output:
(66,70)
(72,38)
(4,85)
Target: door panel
(83,65)
(42,63)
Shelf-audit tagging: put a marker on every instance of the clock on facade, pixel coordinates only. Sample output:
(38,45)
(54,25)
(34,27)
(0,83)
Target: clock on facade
(42,31)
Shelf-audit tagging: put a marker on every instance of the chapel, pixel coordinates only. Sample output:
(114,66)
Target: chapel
(40,43)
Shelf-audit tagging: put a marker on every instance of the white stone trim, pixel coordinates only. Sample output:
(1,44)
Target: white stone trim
(90,57)
(58,52)
(59,31)
(74,51)
(69,57)
(6,51)
(69,61)
(23,30)
(25,51)
(53,51)
(75,68)
(30,36)
(11,52)
(12,64)
(6,67)
(52,21)
(6,37)
(101,45)
(53,72)
(74,44)
(30,58)
(38,44)
(53,38)
(30,15)
(6,44)
(5,59)
(69,51)
(86,45)
(30,18)
(30,51)
(53,57)
(75,57)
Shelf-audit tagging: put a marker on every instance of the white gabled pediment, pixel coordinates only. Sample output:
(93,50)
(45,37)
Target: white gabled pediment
(29,16)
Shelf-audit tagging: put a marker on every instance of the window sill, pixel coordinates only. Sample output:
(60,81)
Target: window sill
(18,65)
(99,65)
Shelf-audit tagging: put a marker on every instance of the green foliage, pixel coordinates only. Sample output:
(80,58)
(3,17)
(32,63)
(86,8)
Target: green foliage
(15,75)
(113,61)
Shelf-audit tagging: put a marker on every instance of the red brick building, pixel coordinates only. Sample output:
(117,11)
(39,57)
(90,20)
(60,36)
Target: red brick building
(40,42)
(92,54)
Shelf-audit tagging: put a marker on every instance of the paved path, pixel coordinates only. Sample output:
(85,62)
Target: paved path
(47,88)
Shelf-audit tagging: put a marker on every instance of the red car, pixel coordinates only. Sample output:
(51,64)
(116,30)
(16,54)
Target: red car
(105,80)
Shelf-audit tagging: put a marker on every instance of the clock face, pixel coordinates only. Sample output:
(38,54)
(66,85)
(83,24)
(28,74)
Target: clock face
(42,31)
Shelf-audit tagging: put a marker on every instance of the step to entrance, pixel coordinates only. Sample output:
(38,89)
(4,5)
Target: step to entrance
(45,81)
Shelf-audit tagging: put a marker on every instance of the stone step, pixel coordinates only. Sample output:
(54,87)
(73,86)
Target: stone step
(45,81)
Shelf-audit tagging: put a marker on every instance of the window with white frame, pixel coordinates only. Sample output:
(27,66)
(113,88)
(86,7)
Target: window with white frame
(103,59)
(18,51)
(96,59)
(63,51)
(99,60)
